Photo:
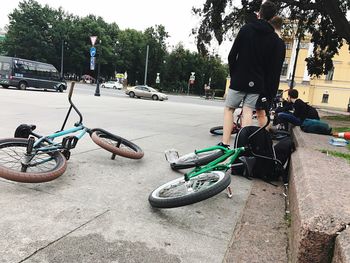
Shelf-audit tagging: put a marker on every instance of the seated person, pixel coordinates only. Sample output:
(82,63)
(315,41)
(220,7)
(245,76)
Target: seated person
(301,109)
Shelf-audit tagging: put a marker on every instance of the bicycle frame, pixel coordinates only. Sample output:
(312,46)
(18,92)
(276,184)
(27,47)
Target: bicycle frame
(54,146)
(234,153)
(215,165)
(65,145)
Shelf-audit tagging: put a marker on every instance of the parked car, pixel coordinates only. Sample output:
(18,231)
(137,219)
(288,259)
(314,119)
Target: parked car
(146,92)
(88,79)
(112,85)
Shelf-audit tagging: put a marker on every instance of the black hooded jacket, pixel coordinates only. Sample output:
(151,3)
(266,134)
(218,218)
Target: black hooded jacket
(256,58)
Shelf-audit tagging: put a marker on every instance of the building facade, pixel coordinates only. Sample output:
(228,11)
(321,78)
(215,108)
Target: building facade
(330,91)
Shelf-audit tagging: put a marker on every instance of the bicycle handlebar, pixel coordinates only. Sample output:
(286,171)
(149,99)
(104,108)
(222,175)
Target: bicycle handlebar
(71,90)
(72,106)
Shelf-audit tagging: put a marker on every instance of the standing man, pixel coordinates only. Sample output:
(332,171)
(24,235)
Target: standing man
(249,61)
(273,72)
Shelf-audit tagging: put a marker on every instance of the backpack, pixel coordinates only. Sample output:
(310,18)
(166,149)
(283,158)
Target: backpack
(316,126)
(263,160)
(283,150)
(312,113)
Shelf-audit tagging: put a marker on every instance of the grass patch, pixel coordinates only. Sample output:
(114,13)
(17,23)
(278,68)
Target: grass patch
(345,156)
(288,219)
(337,118)
(341,129)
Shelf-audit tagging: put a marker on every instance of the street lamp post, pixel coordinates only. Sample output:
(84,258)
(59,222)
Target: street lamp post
(97,91)
(146,66)
(62,55)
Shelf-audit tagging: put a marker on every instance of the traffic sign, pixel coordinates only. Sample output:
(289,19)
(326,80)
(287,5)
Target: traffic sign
(92,51)
(93,40)
(92,63)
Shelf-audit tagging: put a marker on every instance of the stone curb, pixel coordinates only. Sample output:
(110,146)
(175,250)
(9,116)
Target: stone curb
(319,200)
(342,247)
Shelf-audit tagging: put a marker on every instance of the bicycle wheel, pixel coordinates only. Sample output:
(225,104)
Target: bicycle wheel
(219,130)
(116,144)
(178,192)
(43,167)
(193,160)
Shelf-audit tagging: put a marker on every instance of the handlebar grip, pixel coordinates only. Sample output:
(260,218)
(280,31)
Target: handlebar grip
(71,90)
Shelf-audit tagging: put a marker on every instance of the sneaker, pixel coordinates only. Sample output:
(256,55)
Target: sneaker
(223,145)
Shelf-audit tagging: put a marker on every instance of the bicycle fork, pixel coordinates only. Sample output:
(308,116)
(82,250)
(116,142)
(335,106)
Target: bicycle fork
(28,156)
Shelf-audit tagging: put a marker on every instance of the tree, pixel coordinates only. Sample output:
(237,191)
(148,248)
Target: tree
(37,32)
(29,32)
(325,20)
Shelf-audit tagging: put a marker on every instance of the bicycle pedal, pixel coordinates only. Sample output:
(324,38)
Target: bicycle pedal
(171,155)
(69,142)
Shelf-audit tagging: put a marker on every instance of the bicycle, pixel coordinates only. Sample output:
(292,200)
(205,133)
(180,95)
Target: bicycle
(29,160)
(204,181)
(219,130)
(275,135)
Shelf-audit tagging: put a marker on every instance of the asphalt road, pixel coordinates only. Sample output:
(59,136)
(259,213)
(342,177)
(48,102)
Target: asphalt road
(98,211)
(90,89)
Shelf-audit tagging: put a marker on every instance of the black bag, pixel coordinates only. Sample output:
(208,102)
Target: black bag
(270,162)
(261,148)
(283,150)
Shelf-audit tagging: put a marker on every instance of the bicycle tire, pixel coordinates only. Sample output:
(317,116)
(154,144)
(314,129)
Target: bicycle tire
(193,160)
(8,170)
(219,130)
(124,148)
(159,198)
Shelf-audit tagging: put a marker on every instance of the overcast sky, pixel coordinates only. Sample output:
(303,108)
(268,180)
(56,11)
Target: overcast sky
(137,14)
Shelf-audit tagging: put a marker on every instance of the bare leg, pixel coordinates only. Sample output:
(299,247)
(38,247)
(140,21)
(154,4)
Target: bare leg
(247,116)
(228,125)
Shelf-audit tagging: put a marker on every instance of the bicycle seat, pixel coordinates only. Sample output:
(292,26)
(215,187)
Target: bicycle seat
(24,130)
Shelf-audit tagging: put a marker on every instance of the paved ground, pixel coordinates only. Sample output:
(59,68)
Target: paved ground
(97,211)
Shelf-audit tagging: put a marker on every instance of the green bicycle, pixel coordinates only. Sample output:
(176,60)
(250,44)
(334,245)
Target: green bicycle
(208,177)
(200,183)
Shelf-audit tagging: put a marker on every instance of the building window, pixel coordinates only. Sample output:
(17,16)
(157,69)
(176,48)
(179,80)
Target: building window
(330,74)
(325,98)
(288,45)
(304,45)
(284,68)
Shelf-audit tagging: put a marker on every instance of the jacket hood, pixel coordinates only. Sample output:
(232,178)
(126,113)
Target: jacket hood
(262,26)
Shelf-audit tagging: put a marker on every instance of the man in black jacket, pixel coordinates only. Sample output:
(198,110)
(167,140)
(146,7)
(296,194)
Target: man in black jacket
(272,77)
(252,56)
(301,109)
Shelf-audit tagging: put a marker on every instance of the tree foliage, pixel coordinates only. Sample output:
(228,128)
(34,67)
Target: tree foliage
(37,32)
(325,20)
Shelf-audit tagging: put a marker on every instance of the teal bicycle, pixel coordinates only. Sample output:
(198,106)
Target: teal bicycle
(33,158)
(209,176)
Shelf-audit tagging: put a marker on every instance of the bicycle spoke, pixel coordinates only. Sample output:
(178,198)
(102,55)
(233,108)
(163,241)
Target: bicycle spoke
(11,158)
(194,185)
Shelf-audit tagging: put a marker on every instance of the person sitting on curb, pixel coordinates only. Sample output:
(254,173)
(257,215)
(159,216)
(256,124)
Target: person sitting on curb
(301,109)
